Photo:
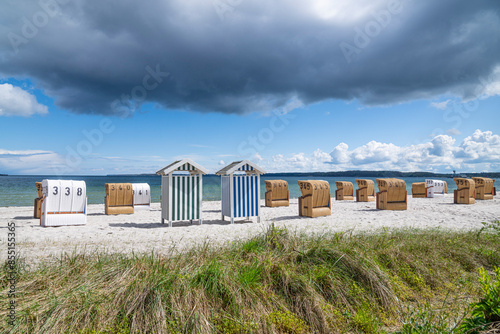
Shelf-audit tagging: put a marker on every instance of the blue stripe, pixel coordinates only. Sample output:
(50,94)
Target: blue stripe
(256,196)
(253,197)
(247,210)
(235,196)
(240,197)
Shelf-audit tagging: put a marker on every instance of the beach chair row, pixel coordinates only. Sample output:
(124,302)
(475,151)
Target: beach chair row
(63,202)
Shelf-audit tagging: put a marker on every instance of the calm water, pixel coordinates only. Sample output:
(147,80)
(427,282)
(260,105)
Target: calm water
(21,191)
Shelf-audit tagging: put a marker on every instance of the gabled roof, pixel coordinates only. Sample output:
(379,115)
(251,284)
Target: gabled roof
(244,165)
(182,165)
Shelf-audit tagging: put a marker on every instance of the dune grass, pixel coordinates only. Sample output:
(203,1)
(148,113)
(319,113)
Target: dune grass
(277,282)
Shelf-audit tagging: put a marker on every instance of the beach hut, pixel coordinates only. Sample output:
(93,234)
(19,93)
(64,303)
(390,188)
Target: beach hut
(181,191)
(465,192)
(435,188)
(418,190)
(315,200)
(392,194)
(119,198)
(240,190)
(277,193)
(64,203)
(365,191)
(142,196)
(38,201)
(484,187)
(344,192)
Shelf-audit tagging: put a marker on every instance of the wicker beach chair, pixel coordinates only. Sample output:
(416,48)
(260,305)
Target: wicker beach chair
(392,194)
(315,200)
(365,191)
(277,193)
(37,212)
(418,190)
(344,191)
(484,187)
(465,192)
(119,198)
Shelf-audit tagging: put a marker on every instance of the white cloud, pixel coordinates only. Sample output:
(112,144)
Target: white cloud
(441,105)
(292,104)
(221,163)
(15,101)
(339,153)
(257,157)
(478,152)
(453,132)
(31,162)
(317,161)
(481,147)
(490,86)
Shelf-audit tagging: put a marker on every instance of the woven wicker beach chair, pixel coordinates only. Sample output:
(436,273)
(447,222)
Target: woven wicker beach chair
(119,198)
(392,194)
(37,212)
(465,192)
(484,187)
(365,191)
(277,193)
(344,191)
(315,200)
(418,190)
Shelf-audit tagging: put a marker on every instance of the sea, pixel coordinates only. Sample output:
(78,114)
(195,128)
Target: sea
(21,190)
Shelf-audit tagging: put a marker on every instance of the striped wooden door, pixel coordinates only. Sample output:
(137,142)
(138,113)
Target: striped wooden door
(185,203)
(246,196)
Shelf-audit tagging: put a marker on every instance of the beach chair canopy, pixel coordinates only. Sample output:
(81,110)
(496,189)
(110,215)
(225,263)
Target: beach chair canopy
(465,192)
(315,199)
(484,187)
(418,189)
(392,194)
(119,198)
(345,190)
(277,193)
(64,203)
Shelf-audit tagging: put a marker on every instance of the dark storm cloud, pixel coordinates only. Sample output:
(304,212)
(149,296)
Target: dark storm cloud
(237,56)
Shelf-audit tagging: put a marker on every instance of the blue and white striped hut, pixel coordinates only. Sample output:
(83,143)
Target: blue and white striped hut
(181,191)
(240,190)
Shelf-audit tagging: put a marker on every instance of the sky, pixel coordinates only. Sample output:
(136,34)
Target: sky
(116,87)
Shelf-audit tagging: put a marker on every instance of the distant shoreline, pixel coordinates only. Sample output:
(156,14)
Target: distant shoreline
(360,173)
(349,173)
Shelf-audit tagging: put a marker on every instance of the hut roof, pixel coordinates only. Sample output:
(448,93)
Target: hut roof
(182,165)
(243,166)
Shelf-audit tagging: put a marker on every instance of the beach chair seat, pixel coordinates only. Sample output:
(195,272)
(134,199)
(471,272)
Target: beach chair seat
(142,196)
(484,188)
(119,198)
(365,191)
(418,190)
(37,212)
(315,200)
(277,193)
(64,203)
(435,188)
(392,194)
(465,192)
(344,191)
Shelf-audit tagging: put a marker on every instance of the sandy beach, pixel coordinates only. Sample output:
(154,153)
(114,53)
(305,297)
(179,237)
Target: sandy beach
(142,232)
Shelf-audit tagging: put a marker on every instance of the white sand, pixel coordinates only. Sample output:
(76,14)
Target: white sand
(143,232)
